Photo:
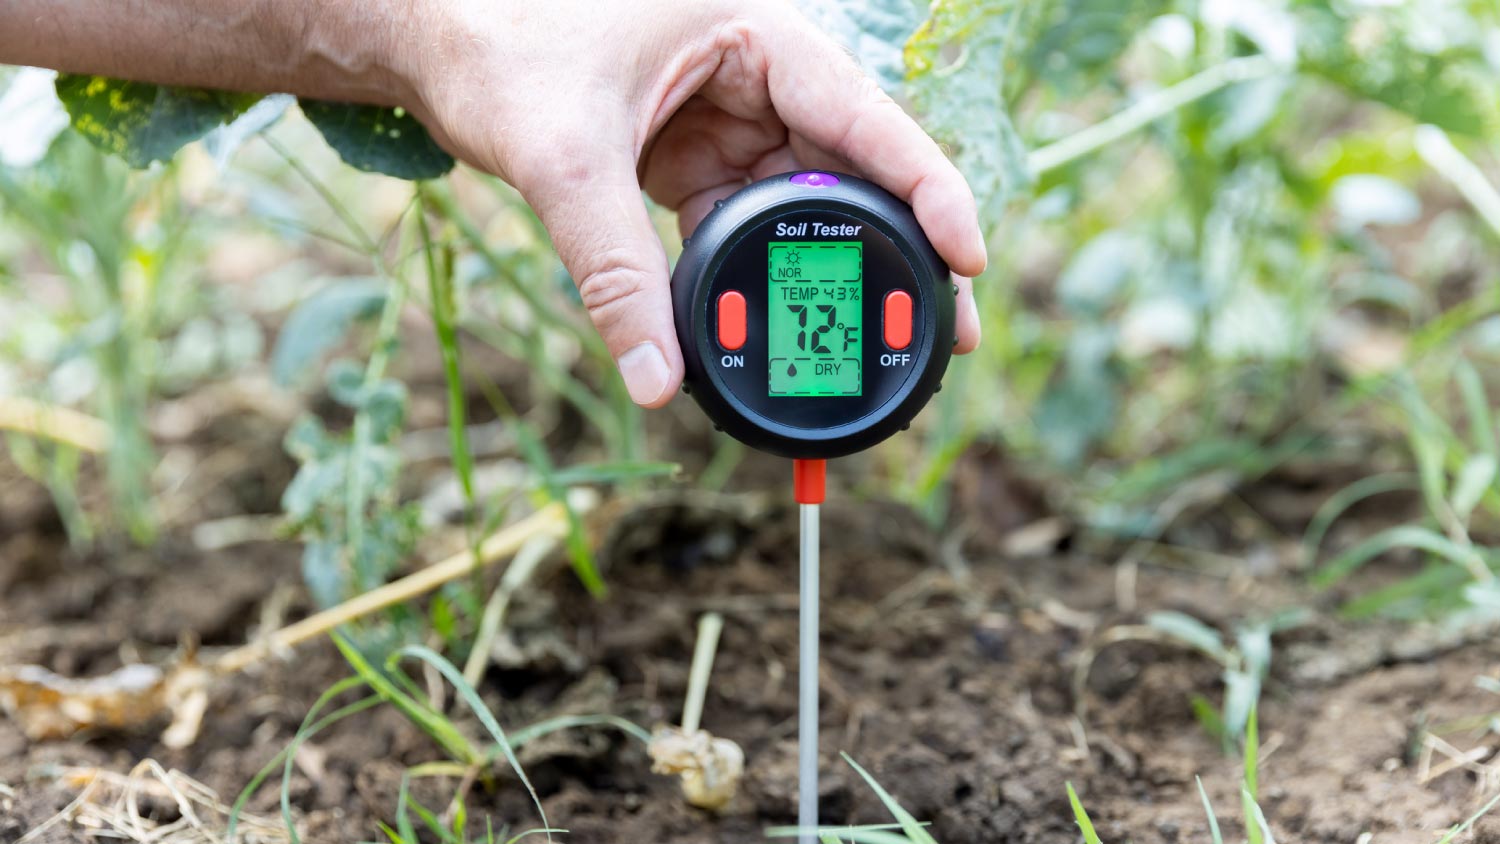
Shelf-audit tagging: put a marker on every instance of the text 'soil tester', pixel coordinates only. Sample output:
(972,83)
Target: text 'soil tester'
(815,320)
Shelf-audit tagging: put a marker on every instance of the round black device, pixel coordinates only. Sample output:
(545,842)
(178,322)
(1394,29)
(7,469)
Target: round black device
(814,316)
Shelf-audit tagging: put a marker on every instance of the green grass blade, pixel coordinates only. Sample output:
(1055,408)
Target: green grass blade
(1477,403)
(1252,754)
(471,698)
(608,473)
(1438,579)
(1475,478)
(444,309)
(579,552)
(863,834)
(403,820)
(1191,632)
(544,830)
(1473,819)
(1401,536)
(1257,830)
(909,824)
(430,820)
(1213,822)
(435,724)
(1340,502)
(307,730)
(1085,825)
(568,722)
(1209,719)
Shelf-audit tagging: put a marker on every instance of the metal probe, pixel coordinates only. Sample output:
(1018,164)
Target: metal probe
(807,681)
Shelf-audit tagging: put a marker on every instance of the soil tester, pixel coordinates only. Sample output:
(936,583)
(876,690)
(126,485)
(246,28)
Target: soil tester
(815,320)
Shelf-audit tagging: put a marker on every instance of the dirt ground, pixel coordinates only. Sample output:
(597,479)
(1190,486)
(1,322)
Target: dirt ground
(948,671)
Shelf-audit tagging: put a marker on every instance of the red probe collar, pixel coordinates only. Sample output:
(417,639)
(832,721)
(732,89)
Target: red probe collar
(808,478)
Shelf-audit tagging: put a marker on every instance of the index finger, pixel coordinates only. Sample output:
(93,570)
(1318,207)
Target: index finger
(821,94)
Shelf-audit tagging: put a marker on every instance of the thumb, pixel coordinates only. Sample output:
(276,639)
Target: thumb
(601,230)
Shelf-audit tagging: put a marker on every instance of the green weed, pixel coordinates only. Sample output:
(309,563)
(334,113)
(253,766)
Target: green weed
(912,830)
(1456,476)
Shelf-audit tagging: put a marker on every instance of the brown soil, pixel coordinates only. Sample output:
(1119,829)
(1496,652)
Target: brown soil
(948,672)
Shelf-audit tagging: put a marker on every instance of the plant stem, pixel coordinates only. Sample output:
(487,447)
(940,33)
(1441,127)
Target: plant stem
(1437,149)
(527,560)
(338,208)
(1149,110)
(549,521)
(49,422)
(709,627)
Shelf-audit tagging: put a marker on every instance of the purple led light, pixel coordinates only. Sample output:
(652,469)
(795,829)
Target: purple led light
(815,180)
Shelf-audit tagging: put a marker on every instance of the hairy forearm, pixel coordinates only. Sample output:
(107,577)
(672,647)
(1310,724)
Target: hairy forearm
(335,49)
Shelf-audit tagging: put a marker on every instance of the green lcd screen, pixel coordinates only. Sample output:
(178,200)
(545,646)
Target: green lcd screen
(816,316)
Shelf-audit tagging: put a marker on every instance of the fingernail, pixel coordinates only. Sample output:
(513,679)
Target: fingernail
(645,371)
(970,328)
(984,248)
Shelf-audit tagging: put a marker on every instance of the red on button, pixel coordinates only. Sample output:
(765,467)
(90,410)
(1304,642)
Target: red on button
(732,320)
(897,319)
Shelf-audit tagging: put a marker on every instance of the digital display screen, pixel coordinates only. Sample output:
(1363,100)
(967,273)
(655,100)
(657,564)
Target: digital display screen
(815,333)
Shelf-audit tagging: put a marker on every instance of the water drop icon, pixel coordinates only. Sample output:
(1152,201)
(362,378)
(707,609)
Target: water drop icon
(791,369)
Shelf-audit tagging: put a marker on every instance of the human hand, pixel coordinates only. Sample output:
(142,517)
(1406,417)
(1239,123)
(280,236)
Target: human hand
(579,104)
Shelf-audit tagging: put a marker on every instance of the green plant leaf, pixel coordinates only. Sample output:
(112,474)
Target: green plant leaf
(862,834)
(1437,582)
(319,322)
(1477,404)
(403,820)
(547,831)
(1257,830)
(470,697)
(378,140)
(144,123)
(223,142)
(962,100)
(1329,511)
(323,571)
(431,722)
(1213,822)
(1209,718)
(568,722)
(1191,632)
(1401,536)
(609,473)
(1459,829)
(1474,479)
(443,303)
(873,30)
(1083,38)
(909,824)
(305,732)
(1241,693)
(1371,54)
(1085,824)
(1252,754)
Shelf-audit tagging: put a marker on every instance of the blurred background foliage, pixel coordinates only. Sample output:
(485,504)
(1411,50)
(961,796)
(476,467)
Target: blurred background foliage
(1225,236)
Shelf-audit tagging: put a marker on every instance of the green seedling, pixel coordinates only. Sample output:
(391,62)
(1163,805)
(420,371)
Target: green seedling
(912,831)
(454,831)
(128,294)
(391,686)
(1457,479)
(1245,660)
(1081,817)
(1257,830)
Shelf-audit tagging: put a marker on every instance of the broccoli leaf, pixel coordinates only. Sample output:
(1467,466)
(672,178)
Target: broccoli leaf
(144,123)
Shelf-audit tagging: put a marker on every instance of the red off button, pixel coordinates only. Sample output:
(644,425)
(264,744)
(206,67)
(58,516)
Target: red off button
(732,320)
(897,319)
